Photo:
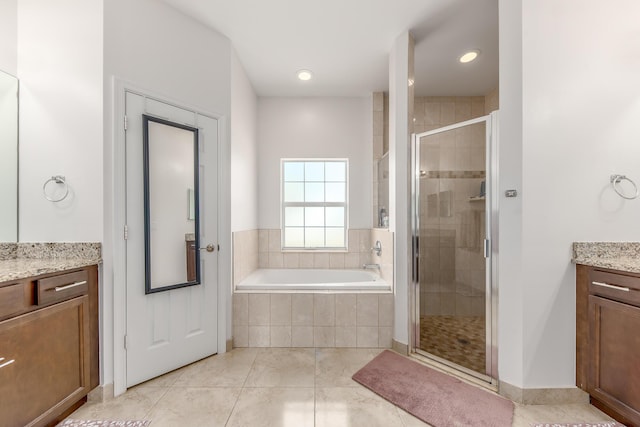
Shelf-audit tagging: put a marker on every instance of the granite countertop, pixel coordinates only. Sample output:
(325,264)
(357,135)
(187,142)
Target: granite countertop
(22,260)
(622,256)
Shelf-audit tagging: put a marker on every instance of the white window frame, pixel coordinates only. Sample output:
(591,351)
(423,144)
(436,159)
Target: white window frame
(284,205)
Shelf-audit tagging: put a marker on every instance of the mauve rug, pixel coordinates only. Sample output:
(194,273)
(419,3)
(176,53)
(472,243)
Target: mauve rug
(104,423)
(436,398)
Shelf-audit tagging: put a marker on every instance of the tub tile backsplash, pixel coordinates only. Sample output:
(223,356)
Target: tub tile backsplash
(253,249)
(312,320)
(270,252)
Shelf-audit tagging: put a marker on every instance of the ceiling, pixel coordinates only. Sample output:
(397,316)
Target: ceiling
(346,43)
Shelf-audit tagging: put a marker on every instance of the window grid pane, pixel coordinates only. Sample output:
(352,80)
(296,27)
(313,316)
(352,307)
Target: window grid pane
(314,207)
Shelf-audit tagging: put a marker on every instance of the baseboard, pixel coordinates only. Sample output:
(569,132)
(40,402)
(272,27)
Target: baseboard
(543,396)
(400,348)
(102,393)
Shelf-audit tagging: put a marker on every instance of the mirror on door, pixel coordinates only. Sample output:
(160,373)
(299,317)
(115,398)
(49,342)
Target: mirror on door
(170,155)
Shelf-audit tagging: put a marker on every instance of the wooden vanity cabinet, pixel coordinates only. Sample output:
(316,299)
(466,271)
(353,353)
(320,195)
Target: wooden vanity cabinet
(48,347)
(608,341)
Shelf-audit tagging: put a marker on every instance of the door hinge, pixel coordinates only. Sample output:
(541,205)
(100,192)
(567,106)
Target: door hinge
(125,342)
(487,248)
(126,122)
(126,232)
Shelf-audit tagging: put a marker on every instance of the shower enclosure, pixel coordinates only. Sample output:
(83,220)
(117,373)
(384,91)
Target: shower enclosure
(453,203)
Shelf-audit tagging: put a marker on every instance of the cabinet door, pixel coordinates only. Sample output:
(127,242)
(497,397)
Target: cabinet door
(50,367)
(614,377)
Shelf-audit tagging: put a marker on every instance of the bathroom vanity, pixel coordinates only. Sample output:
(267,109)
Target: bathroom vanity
(608,332)
(49,358)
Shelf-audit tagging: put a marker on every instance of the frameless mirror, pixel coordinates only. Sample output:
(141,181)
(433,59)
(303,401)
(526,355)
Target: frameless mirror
(8,158)
(170,153)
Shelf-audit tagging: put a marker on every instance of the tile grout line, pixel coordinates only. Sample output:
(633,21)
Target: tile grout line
(242,388)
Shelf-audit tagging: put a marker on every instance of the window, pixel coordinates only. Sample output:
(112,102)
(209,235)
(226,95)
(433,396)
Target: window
(314,203)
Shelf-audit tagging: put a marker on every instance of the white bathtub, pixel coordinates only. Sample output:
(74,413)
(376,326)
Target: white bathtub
(312,280)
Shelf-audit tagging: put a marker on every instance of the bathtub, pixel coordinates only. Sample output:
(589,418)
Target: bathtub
(268,279)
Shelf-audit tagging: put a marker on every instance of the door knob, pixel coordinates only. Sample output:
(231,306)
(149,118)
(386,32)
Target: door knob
(209,248)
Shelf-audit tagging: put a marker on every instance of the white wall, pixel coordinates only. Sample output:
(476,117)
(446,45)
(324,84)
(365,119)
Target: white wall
(244,150)
(509,247)
(9,36)
(580,108)
(400,98)
(60,71)
(315,127)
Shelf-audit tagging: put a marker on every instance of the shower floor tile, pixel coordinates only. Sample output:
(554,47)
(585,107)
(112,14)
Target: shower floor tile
(459,339)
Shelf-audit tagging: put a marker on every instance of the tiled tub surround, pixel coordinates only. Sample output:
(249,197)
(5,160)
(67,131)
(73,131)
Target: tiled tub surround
(312,320)
(623,256)
(245,254)
(319,319)
(19,260)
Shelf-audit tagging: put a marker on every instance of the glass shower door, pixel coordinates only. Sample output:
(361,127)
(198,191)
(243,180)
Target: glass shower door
(453,313)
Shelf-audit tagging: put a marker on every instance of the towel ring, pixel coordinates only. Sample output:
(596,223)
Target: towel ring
(58,179)
(617,179)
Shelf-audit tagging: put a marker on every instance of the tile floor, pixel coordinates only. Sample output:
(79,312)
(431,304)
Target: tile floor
(282,387)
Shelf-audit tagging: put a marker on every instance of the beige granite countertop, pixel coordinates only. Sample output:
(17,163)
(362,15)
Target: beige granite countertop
(622,256)
(22,260)
(15,269)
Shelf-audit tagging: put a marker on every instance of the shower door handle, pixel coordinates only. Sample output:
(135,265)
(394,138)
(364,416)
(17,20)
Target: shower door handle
(416,259)
(487,248)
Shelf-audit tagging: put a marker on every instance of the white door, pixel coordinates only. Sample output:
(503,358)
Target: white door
(169,329)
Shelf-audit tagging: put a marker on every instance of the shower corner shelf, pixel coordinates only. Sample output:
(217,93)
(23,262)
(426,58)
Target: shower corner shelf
(476,198)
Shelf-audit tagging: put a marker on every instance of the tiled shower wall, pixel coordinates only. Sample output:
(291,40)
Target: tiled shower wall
(380,147)
(452,271)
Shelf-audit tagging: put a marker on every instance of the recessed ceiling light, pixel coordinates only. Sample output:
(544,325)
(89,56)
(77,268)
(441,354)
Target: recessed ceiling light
(469,56)
(305,75)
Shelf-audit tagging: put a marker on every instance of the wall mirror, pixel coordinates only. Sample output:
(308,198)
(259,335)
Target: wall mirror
(8,158)
(170,153)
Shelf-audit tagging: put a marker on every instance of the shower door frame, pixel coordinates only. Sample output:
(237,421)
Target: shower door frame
(491,260)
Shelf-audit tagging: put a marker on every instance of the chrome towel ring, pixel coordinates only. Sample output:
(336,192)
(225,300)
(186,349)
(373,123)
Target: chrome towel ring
(617,179)
(58,179)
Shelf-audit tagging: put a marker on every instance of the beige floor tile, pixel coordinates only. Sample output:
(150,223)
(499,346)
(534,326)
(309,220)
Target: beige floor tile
(166,380)
(336,366)
(409,420)
(283,367)
(525,415)
(274,407)
(354,407)
(194,406)
(275,387)
(136,403)
(223,370)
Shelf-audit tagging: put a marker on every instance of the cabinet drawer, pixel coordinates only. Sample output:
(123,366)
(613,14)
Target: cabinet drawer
(617,287)
(12,299)
(62,287)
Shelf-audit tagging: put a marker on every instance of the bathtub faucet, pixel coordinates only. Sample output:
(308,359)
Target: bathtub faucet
(371,266)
